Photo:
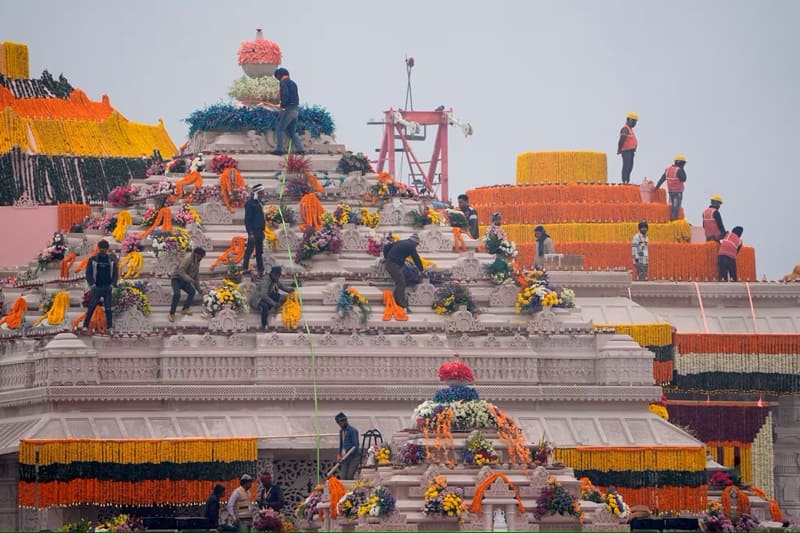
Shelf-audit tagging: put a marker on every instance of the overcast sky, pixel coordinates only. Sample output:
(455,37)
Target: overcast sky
(715,80)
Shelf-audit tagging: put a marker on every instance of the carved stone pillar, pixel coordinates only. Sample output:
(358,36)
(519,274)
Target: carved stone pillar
(66,360)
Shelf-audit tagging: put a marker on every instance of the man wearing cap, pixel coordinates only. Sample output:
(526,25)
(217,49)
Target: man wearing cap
(186,278)
(712,220)
(348,440)
(675,176)
(287,121)
(395,259)
(639,245)
(269,494)
(239,504)
(544,245)
(729,248)
(101,275)
(627,144)
(269,296)
(254,223)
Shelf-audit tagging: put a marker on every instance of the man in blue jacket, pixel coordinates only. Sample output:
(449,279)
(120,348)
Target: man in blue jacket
(348,440)
(101,275)
(287,121)
(254,223)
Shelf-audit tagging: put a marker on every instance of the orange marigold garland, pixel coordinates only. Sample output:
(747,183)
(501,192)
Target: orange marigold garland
(393,310)
(311,211)
(14,317)
(66,264)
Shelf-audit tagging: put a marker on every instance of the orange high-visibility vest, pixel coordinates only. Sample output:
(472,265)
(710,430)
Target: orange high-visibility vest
(729,246)
(630,140)
(673,183)
(710,225)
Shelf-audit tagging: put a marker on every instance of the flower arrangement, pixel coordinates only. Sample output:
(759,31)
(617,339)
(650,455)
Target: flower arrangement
(296,163)
(298,186)
(225,296)
(456,218)
(260,51)
(542,452)
(715,519)
(75,527)
(351,162)
(380,502)
(479,451)
(473,414)
(349,505)
(659,410)
(316,120)
(341,215)
(277,215)
(162,188)
(47,301)
(450,296)
(589,492)
(616,504)
(497,243)
(499,271)
(554,499)
(455,392)
(149,217)
(349,298)
(260,88)
(424,216)
(410,454)
(747,522)
(122,196)
(375,246)
(441,500)
(106,222)
(364,218)
(177,166)
(538,293)
(178,240)
(156,168)
(379,455)
(121,522)
(130,243)
(55,250)
(385,188)
(130,295)
(327,239)
(456,371)
(268,520)
(187,215)
(308,508)
(719,480)
(220,162)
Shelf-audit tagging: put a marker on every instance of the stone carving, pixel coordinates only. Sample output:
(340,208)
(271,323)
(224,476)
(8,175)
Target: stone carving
(433,239)
(199,238)
(178,340)
(503,295)
(227,320)
(158,294)
(352,239)
(604,520)
(302,339)
(394,522)
(207,340)
(538,480)
(483,474)
(352,320)
(381,340)
(273,339)
(394,214)
(423,294)
(518,341)
(166,263)
(545,321)
(472,522)
(287,240)
(379,269)
(464,341)
(499,489)
(214,212)
(408,340)
(435,341)
(461,321)
(132,321)
(331,292)
(467,267)
(491,341)
(328,339)
(25,201)
(355,185)
(236,339)
(355,340)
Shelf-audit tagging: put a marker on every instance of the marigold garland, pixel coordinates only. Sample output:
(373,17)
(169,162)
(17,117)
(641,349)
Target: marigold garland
(458,240)
(124,219)
(311,211)
(66,264)
(234,253)
(654,334)
(565,212)
(85,261)
(55,315)
(194,178)
(638,458)
(510,433)
(291,311)
(677,231)
(393,310)
(14,60)
(96,325)
(71,214)
(477,501)
(13,318)
(336,490)
(442,451)
(132,263)
(561,167)
(163,219)
(229,180)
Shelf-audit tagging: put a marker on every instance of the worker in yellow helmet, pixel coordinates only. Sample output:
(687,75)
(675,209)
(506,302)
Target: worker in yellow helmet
(712,220)
(675,176)
(627,144)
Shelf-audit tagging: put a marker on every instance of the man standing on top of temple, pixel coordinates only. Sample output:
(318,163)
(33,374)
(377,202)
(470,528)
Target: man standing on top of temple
(254,223)
(287,121)
(675,176)
(470,214)
(627,144)
(712,220)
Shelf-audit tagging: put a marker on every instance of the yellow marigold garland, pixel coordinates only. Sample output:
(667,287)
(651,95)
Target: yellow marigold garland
(654,334)
(55,315)
(14,60)
(290,311)
(124,220)
(639,458)
(675,231)
(132,263)
(562,167)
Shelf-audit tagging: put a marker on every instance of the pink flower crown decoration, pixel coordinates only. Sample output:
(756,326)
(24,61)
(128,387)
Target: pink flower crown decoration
(260,51)
(456,371)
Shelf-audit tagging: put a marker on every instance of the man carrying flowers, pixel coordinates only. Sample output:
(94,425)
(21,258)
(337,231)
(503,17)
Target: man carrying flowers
(186,278)
(101,275)
(269,294)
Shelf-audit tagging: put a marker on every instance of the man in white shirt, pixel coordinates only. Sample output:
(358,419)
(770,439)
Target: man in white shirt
(239,504)
(639,245)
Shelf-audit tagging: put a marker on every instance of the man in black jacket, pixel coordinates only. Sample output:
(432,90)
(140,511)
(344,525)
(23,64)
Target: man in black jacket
(101,275)
(287,121)
(254,223)
(395,259)
(269,297)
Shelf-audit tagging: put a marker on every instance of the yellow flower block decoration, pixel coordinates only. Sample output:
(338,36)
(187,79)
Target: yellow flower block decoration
(675,231)
(659,410)
(561,167)
(655,334)
(290,311)
(14,60)
(636,458)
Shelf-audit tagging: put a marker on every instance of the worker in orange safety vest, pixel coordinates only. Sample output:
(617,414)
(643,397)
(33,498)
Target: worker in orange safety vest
(729,248)
(712,220)
(627,144)
(675,176)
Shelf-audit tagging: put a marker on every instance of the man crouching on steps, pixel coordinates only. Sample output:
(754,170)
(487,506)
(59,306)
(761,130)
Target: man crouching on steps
(269,296)
(187,279)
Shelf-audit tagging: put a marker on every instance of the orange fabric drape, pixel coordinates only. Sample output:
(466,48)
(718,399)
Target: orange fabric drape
(14,317)
(98,322)
(458,240)
(85,261)
(229,180)
(501,196)
(192,178)
(392,309)
(233,253)
(163,219)
(668,261)
(337,490)
(476,505)
(71,214)
(66,264)
(311,210)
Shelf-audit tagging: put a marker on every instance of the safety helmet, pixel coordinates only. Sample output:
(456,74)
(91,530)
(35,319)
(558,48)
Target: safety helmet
(716,198)
(632,115)
(680,157)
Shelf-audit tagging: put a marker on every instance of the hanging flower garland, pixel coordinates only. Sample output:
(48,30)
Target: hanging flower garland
(124,219)
(291,311)
(232,188)
(311,211)
(234,253)
(56,310)
(194,178)
(97,324)
(14,318)
(130,295)
(349,299)
(66,264)
(130,266)
(392,309)
(163,219)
